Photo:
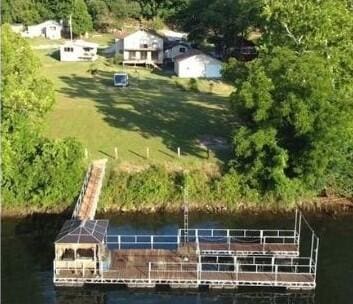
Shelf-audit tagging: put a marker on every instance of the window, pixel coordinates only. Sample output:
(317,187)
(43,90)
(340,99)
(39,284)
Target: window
(87,49)
(182,50)
(143,44)
(68,49)
(154,55)
(132,55)
(143,55)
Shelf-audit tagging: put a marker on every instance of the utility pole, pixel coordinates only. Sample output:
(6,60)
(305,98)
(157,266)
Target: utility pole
(186,214)
(70,23)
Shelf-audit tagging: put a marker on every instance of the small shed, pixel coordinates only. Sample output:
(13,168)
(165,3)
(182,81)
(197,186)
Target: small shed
(78,50)
(80,247)
(196,64)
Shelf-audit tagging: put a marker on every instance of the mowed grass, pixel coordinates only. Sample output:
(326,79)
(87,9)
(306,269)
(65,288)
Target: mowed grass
(152,113)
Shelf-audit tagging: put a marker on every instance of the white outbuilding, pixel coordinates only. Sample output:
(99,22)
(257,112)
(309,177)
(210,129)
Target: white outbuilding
(49,29)
(78,50)
(196,64)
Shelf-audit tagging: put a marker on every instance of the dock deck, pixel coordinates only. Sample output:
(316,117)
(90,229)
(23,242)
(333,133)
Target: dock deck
(151,267)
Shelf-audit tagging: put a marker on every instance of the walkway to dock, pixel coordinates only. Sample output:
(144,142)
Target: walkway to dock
(86,204)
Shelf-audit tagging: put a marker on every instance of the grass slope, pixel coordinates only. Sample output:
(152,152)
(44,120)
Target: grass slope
(152,112)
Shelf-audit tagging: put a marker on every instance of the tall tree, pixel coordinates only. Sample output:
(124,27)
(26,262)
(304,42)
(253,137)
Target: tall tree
(219,21)
(81,19)
(35,170)
(294,104)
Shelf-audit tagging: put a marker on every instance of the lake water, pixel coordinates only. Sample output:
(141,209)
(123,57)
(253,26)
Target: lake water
(27,254)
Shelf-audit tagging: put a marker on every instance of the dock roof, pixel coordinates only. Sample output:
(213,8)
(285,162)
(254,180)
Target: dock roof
(79,232)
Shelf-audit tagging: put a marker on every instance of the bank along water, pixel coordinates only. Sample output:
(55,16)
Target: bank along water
(27,256)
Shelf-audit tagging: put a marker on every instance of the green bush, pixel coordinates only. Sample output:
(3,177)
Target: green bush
(193,85)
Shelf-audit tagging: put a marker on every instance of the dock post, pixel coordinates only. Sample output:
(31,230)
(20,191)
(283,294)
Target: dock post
(299,229)
(198,270)
(119,240)
(149,272)
(151,241)
(276,274)
(316,256)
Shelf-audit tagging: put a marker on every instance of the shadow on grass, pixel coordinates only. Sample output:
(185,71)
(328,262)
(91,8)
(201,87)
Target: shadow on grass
(154,107)
(137,154)
(106,154)
(55,55)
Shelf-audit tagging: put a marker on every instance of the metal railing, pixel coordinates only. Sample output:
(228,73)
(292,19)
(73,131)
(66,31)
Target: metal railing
(297,266)
(142,241)
(243,235)
(82,193)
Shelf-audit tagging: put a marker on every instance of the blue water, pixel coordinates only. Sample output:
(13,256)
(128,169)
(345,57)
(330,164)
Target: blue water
(27,254)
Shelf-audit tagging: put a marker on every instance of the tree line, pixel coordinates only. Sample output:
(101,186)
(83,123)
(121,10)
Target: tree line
(87,15)
(36,171)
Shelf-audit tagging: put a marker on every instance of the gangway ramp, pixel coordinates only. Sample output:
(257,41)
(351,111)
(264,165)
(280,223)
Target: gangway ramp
(86,205)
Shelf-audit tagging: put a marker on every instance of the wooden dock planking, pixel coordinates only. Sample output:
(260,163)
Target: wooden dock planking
(270,248)
(87,209)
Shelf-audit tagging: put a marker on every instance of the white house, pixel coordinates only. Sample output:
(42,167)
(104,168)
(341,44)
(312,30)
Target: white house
(195,64)
(174,49)
(141,47)
(49,29)
(78,50)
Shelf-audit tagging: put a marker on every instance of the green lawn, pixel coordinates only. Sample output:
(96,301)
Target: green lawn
(152,112)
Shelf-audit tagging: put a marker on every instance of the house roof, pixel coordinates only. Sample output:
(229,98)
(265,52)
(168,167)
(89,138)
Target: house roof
(191,53)
(81,43)
(123,35)
(188,54)
(78,232)
(170,44)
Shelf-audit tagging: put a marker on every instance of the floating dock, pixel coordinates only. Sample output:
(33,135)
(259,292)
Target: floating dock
(191,258)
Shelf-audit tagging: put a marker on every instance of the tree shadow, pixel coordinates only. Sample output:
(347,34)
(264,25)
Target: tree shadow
(154,107)
(55,55)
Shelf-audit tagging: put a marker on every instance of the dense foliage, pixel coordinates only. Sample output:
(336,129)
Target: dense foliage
(36,171)
(102,14)
(294,105)
(156,188)
(220,22)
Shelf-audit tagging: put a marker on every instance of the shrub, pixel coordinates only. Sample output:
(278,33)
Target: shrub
(193,85)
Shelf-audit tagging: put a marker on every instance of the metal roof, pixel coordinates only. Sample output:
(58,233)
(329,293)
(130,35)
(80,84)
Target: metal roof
(79,232)
(80,43)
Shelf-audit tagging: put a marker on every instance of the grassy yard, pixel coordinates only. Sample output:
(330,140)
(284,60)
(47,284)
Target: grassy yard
(153,112)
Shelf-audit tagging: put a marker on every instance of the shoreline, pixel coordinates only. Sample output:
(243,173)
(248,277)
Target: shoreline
(326,206)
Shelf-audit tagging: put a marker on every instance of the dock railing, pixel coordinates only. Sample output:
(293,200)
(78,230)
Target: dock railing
(82,193)
(142,241)
(233,272)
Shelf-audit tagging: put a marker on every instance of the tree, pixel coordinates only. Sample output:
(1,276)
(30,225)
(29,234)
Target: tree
(99,12)
(150,9)
(19,11)
(219,22)
(81,19)
(292,123)
(35,170)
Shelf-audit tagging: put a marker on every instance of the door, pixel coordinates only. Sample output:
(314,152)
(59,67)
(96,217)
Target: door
(213,71)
